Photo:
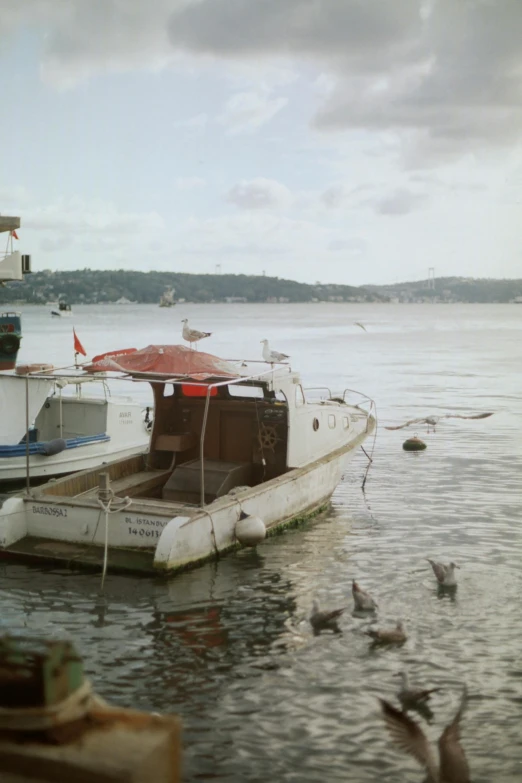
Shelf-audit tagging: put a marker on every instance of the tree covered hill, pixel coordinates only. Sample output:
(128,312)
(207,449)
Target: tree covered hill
(451,289)
(92,286)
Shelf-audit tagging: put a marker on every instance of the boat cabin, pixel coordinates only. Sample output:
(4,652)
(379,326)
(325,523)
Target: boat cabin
(216,430)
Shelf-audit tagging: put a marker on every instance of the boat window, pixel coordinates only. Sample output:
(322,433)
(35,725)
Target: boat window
(197,391)
(246,391)
(315,424)
(280,397)
(331,421)
(168,390)
(299,396)
(346,422)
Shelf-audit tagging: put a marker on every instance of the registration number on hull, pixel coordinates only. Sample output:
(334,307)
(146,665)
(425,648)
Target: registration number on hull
(142,527)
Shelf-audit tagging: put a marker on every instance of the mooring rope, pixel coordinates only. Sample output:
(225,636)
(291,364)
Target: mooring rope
(120,504)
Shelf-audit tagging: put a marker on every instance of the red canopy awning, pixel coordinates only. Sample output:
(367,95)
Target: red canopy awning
(165,360)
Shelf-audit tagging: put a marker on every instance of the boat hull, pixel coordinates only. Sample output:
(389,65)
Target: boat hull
(150,538)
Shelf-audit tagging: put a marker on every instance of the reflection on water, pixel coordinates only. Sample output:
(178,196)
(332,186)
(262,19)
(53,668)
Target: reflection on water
(229,647)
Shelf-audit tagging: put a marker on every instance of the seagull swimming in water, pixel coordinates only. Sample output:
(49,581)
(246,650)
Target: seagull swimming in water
(445,574)
(410,698)
(363,600)
(192,335)
(408,735)
(325,620)
(432,421)
(395,635)
(272,357)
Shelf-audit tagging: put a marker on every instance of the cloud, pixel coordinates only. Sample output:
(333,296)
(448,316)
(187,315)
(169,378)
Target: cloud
(80,218)
(198,122)
(399,202)
(335,196)
(447,71)
(258,194)
(350,247)
(444,73)
(247,111)
(189,183)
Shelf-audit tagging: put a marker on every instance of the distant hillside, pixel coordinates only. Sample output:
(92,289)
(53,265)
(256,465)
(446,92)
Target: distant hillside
(90,286)
(451,289)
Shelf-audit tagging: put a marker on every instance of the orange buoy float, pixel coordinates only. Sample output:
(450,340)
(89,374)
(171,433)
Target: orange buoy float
(414,444)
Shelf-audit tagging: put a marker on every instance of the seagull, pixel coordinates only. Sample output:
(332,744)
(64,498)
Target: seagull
(408,735)
(412,697)
(445,574)
(192,335)
(321,620)
(395,635)
(356,323)
(432,421)
(272,356)
(363,600)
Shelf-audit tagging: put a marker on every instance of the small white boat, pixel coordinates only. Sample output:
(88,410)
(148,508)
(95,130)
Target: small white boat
(232,457)
(63,310)
(68,430)
(167,299)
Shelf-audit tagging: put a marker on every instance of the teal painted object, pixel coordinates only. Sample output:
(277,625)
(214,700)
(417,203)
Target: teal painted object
(36,672)
(10,338)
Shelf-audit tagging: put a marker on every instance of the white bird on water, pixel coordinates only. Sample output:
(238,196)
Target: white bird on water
(192,335)
(432,421)
(363,600)
(445,574)
(325,620)
(412,697)
(272,357)
(408,735)
(395,635)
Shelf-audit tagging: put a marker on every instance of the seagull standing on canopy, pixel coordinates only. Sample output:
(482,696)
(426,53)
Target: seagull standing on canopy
(272,357)
(192,335)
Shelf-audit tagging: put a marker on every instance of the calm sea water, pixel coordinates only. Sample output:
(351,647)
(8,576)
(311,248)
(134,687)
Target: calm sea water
(227,646)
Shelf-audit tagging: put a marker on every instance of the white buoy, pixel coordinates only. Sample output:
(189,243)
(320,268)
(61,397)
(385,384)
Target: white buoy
(250,530)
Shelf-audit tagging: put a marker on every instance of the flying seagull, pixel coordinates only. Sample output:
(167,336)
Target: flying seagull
(363,600)
(270,356)
(432,421)
(357,323)
(192,335)
(408,735)
(395,635)
(411,698)
(445,574)
(322,620)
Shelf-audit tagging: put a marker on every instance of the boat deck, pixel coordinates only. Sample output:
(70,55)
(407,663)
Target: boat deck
(81,556)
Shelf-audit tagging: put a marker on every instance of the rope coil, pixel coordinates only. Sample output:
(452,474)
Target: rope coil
(74,707)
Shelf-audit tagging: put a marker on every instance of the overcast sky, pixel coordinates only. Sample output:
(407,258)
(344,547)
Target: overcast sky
(354,141)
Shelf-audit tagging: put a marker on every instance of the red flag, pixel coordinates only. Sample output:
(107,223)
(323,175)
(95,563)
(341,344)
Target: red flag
(14,234)
(78,347)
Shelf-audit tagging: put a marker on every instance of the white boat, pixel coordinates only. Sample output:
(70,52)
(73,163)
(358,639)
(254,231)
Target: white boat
(167,299)
(68,430)
(124,301)
(232,457)
(63,310)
